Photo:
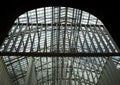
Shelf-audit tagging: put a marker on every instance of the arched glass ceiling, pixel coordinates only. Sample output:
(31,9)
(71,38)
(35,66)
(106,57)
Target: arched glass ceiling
(59,30)
(61,15)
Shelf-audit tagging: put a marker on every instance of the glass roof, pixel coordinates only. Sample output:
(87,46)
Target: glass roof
(50,15)
(59,30)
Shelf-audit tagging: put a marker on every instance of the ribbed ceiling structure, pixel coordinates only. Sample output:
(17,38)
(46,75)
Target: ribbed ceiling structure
(59,30)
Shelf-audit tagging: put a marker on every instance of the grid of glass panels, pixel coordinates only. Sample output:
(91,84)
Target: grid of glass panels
(58,29)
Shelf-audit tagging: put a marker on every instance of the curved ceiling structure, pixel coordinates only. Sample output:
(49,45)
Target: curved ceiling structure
(106,12)
(60,30)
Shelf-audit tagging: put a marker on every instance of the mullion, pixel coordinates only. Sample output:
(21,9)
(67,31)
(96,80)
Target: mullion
(26,43)
(78,71)
(51,43)
(80,17)
(71,70)
(38,48)
(88,19)
(68,37)
(66,69)
(71,28)
(53,71)
(32,41)
(74,32)
(55,67)
(64,37)
(29,32)
(97,21)
(80,42)
(55,31)
(58,30)
(57,70)
(47,71)
(62,70)
(45,41)
(39,39)
(41,70)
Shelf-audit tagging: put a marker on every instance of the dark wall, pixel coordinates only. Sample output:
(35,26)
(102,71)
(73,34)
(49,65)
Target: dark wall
(107,12)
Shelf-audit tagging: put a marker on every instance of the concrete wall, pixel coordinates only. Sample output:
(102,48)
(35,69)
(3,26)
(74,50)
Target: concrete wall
(4,77)
(110,75)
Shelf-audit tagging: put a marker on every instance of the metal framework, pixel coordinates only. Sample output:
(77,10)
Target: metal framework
(66,46)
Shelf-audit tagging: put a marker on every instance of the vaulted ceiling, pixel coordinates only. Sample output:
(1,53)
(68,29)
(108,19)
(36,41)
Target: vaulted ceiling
(107,12)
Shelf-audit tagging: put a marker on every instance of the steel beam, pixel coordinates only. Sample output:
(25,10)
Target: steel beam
(51,54)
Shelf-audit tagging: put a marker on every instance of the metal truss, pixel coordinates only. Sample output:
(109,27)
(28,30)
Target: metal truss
(66,46)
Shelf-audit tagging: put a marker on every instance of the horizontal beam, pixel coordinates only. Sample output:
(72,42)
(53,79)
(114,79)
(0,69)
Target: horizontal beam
(55,24)
(50,54)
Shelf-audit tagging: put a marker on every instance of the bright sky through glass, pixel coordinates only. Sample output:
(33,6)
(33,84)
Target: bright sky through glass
(58,29)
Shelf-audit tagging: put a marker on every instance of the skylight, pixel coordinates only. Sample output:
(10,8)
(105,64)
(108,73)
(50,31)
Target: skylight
(58,30)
